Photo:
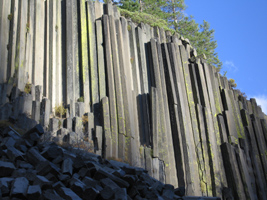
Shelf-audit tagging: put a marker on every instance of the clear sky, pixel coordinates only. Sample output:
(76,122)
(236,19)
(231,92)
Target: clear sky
(241,33)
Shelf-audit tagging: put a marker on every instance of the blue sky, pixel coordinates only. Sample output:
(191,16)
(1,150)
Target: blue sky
(241,33)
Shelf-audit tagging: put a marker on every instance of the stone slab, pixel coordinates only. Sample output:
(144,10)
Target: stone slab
(110,86)
(13,39)
(222,127)
(155,121)
(84,56)
(106,128)
(4,38)
(100,56)
(94,90)
(232,172)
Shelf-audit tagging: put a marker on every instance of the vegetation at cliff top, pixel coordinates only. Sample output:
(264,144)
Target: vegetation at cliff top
(170,15)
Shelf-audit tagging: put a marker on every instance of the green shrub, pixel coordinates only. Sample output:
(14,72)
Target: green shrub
(138,17)
(59,124)
(10,16)
(28,88)
(28,27)
(81,99)
(60,110)
(232,83)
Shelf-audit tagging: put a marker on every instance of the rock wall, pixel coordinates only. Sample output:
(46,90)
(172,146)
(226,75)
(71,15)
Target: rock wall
(148,98)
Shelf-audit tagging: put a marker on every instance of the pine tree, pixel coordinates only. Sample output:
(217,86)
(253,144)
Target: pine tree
(172,11)
(130,5)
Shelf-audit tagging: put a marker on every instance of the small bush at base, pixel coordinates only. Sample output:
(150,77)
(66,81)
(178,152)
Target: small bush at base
(60,110)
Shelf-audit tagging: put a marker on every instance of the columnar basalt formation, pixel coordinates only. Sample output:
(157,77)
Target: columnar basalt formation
(132,92)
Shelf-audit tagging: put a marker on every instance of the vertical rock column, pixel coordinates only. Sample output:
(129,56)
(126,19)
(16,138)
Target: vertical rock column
(107,151)
(21,45)
(55,54)
(144,86)
(93,61)
(211,157)
(6,17)
(110,86)
(166,113)
(174,117)
(135,92)
(29,45)
(215,108)
(13,39)
(118,87)
(100,60)
(125,75)
(164,141)
(84,56)
(39,39)
(255,153)
(72,78)
(192,182)
(190,99)
(58,49)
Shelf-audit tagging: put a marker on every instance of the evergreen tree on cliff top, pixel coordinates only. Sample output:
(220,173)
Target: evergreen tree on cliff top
(172,11)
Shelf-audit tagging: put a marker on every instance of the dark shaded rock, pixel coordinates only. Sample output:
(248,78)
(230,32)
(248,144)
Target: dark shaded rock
(47,167)
(52,152)
(12,119)
(66,166)
(22,148)
(119,173)
(76,176)
(107,193)
(5,185)
(100,174)
(180,191)
(68,194)
(14,154)
(90,194)
(34,138)
(77,186)
(58,185)
(168,191)
(34,192)
(34,157)
(6,168)
(92,183)
(158,186)
(51,177)
(131,179)
(106,182)
(121,194)
(25,165)
(14,134)
(84,172)
(78,163)
(63,177)
(133,192)
(37,129)
(31,175)
(58,160)
(51,195)
(19,187)
(19,173)
(43,182)
(227,193)
(8,141)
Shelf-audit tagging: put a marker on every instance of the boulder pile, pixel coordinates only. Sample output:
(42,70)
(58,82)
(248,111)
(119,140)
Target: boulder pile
(31,169)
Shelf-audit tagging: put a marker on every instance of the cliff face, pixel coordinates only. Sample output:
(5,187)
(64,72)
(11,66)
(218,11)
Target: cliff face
(148,99)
